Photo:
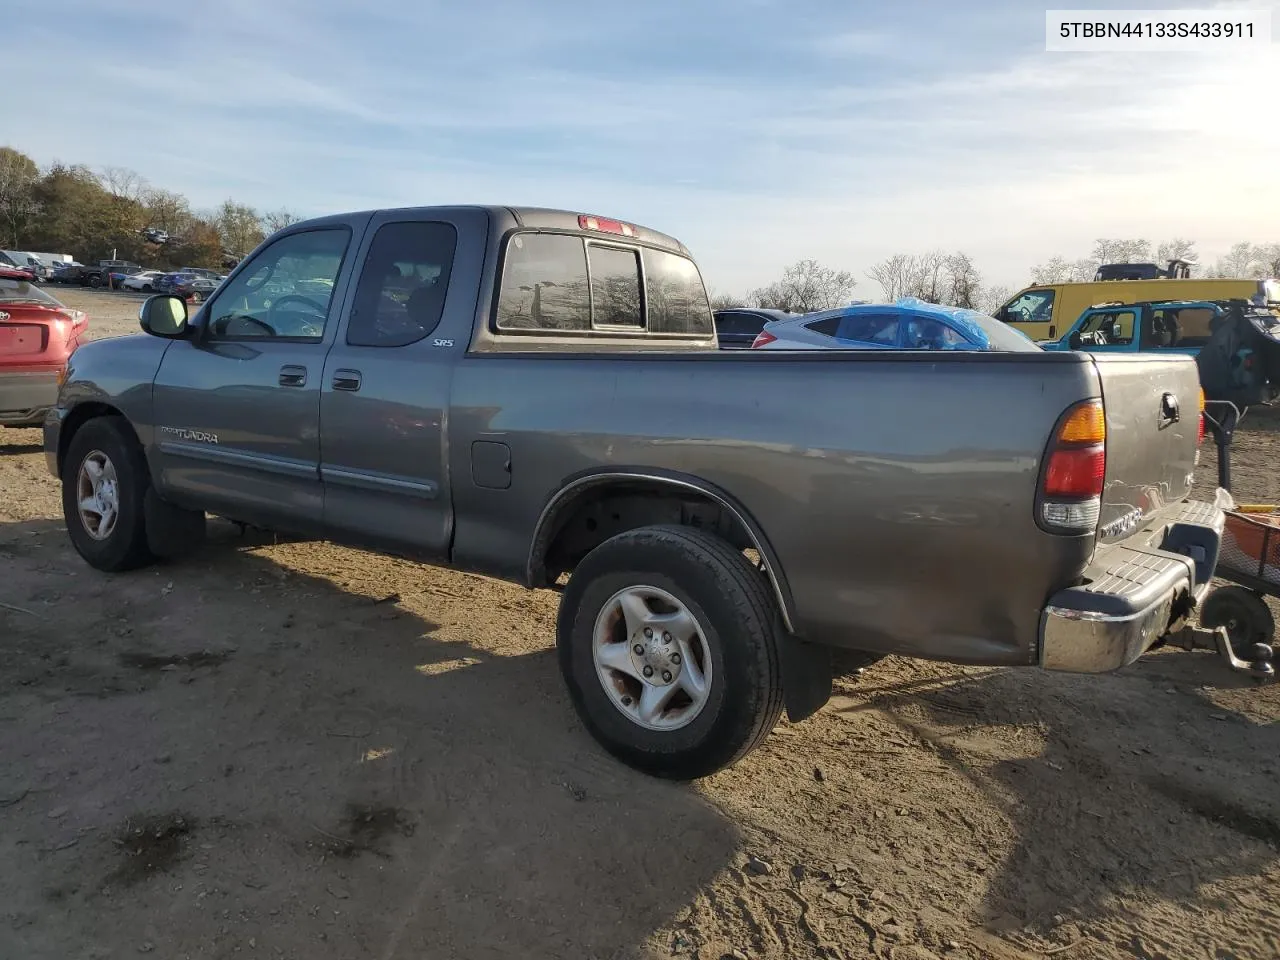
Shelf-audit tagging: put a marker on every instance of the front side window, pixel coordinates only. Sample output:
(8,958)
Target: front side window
(926,333)
(402,288)
(284,292)
(1034,306)
(1115,326)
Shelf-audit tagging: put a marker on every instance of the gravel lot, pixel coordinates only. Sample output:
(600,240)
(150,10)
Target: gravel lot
(290,749)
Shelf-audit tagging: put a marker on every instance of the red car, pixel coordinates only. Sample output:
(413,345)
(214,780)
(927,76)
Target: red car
(37,336)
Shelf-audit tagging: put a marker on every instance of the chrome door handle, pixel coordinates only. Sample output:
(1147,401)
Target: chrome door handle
(346,380)
(292,375)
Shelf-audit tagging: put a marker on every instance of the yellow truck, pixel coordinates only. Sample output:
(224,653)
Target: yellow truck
(1045,311)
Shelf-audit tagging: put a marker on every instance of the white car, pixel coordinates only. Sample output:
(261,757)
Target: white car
(144,281)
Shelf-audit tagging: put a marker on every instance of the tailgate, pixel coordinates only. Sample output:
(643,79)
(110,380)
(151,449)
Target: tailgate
(1152,405)
(23,339)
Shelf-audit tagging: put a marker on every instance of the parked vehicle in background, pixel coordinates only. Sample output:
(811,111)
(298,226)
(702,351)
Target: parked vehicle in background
(1047,311)
(738,327)
(1176,270)
(27,262)
(37,335)
(194,289)
(119,276)
(532,393)
(144,281)
(68,273)
(907,324)
(99,275)
(1182,325)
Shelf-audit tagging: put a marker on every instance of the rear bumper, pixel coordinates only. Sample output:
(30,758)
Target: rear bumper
(25,398)
(1133,594)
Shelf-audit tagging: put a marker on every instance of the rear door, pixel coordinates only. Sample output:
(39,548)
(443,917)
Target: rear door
(384,394)
(237,406)
(1152,404)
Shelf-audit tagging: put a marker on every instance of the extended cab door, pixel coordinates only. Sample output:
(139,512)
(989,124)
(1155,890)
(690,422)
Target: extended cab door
(237,406)
(384,401)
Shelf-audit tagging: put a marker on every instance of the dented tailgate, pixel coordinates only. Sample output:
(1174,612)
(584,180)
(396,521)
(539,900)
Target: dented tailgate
(1152,405)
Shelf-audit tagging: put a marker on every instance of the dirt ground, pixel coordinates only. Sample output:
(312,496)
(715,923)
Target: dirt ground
(288,749)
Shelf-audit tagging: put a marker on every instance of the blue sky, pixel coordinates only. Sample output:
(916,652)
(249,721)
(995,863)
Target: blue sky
(759,132)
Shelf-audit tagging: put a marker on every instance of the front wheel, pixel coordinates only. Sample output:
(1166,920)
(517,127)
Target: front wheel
(668,643)
(104,488)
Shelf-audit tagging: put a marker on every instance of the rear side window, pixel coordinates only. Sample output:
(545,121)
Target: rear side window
(544,284)
(403,283)
(615,285)
(559,282)
(677,299)
(739,323)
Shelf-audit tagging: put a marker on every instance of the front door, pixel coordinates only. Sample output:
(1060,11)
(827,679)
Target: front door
(384,397)
(237,406)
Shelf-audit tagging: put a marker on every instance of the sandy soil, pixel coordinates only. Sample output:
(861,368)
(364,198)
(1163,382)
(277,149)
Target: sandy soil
(284,749)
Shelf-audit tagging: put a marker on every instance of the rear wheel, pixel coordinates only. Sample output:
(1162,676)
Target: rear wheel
(1244,613)
(104,488)
(668,643)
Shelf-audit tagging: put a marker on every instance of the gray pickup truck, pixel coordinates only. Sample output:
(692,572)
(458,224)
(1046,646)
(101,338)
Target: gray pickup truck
(537,395)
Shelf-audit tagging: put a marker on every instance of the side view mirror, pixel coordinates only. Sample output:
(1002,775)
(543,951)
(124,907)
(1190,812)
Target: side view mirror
(1074,340)
(164,316)
(1053,331)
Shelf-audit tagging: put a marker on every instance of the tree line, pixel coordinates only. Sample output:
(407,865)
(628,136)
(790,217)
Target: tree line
(114,213)
(954,280)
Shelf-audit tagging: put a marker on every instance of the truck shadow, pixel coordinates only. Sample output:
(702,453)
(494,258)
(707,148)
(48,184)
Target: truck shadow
(346,776)
(1144,787)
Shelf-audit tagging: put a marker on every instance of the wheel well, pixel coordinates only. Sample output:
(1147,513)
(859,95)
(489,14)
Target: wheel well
(77,418)
(587,517)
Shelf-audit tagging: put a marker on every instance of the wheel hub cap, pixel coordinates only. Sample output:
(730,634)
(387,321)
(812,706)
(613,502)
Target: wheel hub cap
(97,495)
(652,658)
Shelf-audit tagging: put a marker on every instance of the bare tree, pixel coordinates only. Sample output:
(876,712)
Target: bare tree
(893,275)
(277,220)
(964,284)
(724,301)
(1269,259)
(167,211)
(927,277)
(1177,249)
(991,299)
(1121,251)
(124,183)
(807,286)
(1242,260)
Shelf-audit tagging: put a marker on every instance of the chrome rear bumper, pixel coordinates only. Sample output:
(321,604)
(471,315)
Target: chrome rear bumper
(1133,594)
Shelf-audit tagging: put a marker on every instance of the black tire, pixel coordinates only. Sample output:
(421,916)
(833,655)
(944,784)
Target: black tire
(1245,615)
(125,546)
(95,281)
(740,625)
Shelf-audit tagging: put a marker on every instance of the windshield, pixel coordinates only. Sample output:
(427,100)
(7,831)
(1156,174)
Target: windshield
(23,291)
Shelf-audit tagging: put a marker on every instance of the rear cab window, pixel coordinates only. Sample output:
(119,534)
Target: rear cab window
(563,283)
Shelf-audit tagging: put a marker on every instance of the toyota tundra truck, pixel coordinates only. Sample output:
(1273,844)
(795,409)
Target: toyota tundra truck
(537,395)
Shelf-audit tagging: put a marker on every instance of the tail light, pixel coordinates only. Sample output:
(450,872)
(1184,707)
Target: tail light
(1075,467)
(762,338)
(605,225)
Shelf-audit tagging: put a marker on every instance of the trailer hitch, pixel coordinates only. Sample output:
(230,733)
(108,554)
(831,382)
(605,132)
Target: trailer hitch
(1216,639)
